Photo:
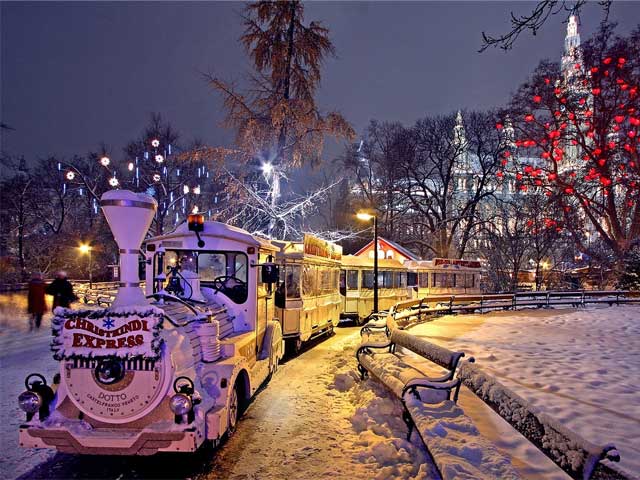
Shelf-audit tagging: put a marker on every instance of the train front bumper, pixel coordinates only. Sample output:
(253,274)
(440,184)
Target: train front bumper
(107,441)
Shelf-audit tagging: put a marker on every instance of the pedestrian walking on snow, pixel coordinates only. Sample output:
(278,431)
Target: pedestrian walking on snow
(62,291)
(36,305)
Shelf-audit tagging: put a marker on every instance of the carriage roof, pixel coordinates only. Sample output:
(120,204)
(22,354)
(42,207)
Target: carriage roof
(217,230)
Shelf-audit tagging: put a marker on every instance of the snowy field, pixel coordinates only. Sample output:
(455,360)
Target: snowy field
(580,366)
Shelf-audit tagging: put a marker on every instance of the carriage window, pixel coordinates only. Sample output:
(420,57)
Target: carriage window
(212,265)
(292,281)
(309,280)
(387,280)
(401,280)
(424,280)
(412,279)
(352,279)
(326,284)
(226,272)
(470,280)
(367,279)
(335,279)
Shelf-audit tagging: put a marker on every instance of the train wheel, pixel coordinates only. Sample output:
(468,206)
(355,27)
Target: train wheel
(234,409)
(293,346)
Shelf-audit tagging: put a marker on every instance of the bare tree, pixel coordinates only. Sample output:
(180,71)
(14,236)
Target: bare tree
(451,174)
(534,20)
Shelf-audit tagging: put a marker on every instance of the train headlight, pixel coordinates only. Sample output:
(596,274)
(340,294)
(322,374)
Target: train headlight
(180,404)
(29,401)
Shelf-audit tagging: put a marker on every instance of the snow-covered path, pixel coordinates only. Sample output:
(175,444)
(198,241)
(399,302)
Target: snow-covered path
(315,421)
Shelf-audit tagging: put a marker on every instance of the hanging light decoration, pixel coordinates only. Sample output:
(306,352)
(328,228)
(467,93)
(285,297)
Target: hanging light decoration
(155,143)
(195,209)
(105,161)
(185,189)
(159,158)
(196,190)
(113,181)
(130,166)
(70,175)
(156,177)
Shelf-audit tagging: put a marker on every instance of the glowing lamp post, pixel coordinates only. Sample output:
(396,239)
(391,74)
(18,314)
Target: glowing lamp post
(365,217)
(86,250)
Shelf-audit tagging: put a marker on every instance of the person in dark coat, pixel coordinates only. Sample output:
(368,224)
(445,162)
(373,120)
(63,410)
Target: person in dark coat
(36,305)
(62,291)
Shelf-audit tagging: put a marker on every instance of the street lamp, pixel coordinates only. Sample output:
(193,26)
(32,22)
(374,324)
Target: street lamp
(365,217)
(84,250)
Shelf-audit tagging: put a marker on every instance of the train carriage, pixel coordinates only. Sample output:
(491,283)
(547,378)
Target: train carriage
(442,276)
(357,282)
(308,302)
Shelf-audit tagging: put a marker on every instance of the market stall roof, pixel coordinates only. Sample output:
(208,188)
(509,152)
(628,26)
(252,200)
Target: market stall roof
(398,251)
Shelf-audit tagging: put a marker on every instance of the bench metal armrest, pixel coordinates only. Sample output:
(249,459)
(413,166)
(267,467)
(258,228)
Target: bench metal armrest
(368,328)
(367,347)
(452,385)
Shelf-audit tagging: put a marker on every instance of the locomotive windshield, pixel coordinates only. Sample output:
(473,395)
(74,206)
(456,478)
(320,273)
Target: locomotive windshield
(225,272)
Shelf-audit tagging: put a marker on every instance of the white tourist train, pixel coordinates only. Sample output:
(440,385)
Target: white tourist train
(308,302)
(171,369)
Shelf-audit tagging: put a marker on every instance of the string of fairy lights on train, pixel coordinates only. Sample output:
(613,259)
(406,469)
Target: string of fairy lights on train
(153,159)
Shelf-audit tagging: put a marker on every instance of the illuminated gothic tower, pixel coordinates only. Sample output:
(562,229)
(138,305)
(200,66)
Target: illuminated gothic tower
(572,52)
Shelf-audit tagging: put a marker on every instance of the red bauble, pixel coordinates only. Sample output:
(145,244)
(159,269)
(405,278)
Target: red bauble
(607,61)
(595,91)
(499,126)
(619,118)
(528,118)
(537,98)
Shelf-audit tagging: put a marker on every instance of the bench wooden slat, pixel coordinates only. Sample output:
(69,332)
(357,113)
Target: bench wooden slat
(439,355)
(455,444)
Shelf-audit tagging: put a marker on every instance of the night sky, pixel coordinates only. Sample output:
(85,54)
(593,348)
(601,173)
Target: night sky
(77,74)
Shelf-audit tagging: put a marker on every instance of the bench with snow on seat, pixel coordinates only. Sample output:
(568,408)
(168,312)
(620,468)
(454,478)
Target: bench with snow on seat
(395,370)
(578,457)
(454,443)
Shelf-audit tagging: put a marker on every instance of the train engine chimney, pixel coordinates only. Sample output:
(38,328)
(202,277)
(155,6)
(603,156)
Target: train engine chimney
(129,216)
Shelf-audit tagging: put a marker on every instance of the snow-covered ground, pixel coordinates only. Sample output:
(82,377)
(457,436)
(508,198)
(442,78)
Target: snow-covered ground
(316,419)
(580,366)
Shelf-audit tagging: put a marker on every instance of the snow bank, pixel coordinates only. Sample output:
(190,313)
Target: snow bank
(376,419)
